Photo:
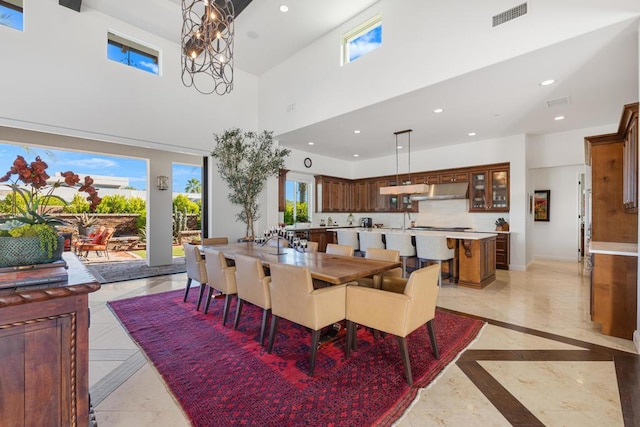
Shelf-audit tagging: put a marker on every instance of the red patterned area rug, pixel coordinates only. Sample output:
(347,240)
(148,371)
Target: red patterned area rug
(223,377)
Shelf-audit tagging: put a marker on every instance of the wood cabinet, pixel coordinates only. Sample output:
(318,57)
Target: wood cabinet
(476,262)
(282,190)
(322,237)
(360,196)
(502,251)
(44,352)
(453,176)
(333,194)
(614,281)
(629,130)
(489,190)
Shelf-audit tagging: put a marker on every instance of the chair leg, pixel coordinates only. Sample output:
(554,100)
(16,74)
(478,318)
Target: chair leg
(208,301)
(315,341)
(263,327)
(225,311)
(350,326)
(404,354)
(186,291)
(404,266)
(432,336)
(200,294)
(440,276)
(272,332)
(238,311)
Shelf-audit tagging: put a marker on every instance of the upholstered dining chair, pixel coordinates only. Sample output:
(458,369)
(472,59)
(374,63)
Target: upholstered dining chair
(293,298)
(394,313)
(312,247)
(208,241)
(378,280)
(335,249)
(253,287)
(434,248)
(196,270)
(370,239)
(221,278)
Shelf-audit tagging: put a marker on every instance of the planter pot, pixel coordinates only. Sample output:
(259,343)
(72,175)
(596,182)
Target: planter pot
(16,251)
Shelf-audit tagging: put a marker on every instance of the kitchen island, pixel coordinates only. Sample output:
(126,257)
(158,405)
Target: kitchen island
(474,263)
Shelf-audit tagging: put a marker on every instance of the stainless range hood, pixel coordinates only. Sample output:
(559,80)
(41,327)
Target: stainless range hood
(445,191)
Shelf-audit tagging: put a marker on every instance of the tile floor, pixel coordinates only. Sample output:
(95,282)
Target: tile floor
(501,380)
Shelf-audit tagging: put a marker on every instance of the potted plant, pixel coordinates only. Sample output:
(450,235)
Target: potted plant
(245,161)
(85,222)
(27,233)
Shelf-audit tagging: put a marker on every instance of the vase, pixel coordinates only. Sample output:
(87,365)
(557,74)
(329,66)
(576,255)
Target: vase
(18,251)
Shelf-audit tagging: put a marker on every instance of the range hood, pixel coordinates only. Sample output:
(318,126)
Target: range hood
(446,191)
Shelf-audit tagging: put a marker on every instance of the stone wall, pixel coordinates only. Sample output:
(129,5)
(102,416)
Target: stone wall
(125,224)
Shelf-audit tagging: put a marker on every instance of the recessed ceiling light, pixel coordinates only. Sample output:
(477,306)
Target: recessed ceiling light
(558,118)
(310,143)
(547,82)
(355,155)
(399,147)
(471,134)
(356,131)
(438,110)
(284,8)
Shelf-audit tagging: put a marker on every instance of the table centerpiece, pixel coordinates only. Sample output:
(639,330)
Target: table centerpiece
(28,232)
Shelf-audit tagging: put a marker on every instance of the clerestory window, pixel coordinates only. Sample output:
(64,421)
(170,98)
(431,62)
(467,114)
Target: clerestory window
(133,54)
(362,40)
(11,14)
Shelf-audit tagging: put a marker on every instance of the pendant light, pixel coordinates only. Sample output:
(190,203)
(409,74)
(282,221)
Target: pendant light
(395,190)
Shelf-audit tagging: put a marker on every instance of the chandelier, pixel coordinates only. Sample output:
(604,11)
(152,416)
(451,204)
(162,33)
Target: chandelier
(207,45)
(399,189)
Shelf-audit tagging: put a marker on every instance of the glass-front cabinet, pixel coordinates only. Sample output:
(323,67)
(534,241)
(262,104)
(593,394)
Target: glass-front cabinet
(489,191)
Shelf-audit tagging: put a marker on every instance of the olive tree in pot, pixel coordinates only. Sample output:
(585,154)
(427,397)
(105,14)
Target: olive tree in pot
(245,161)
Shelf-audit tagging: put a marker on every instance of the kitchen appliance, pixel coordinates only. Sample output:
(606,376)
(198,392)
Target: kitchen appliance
(366,222)
(444,191)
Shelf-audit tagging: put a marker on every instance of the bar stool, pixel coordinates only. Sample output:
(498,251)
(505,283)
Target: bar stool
(349,238)
(402,243)
(434,248)
(370,239)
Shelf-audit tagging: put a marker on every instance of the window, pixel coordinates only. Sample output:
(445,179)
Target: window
(298,196)
(11,14)
(362,40)
(132,54)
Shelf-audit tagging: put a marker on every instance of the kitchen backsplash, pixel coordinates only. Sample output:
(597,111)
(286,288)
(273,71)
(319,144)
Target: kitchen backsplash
(452,213)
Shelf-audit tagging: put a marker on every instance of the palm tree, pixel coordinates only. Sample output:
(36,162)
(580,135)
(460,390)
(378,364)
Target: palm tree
(193,186)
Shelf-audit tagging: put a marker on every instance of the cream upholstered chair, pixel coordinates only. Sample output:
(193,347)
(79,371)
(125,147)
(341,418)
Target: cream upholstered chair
(221,277)
(293,298)
(208,241)
(196,270)
(381,255)
(343,250)
(253,287)
(434,248)
(311,247)
(348,237)
(402,243)
(396,314)
(370,239)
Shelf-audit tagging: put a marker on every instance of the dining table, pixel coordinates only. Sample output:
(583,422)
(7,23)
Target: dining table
(333,269)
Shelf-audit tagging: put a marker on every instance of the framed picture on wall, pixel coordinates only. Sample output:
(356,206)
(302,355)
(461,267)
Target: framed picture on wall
(541,199)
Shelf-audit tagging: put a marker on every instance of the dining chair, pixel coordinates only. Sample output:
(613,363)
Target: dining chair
(397,314)
(253,287)
(293,298)
(403,243)
(196,270)
(221,278)
(434,248)
(208,241)
(312,247)
(335,249)
(370,239)
(381,255)
(348,237)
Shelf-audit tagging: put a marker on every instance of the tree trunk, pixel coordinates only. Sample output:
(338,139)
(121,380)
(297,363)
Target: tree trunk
(250,232)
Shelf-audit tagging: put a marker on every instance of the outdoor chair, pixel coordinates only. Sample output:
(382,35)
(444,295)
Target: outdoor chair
(99,243)
(397,314)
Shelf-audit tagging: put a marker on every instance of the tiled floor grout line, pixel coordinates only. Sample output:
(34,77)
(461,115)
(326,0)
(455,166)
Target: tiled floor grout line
(114,379)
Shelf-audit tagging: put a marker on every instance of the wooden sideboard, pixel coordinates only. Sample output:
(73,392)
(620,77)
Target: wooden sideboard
(44,351)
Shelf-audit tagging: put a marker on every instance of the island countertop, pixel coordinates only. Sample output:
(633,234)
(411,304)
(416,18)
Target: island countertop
(614,248)
(461,235)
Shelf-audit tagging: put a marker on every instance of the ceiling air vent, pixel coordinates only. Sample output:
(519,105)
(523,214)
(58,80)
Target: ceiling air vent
(508,15)
(557,102)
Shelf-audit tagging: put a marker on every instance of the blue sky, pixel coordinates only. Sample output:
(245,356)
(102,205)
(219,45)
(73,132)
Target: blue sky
(11,18)
(94,164)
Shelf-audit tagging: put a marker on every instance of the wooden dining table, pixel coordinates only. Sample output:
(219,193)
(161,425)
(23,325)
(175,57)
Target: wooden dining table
(334,269)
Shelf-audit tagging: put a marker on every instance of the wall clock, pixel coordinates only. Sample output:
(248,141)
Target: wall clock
(307,162)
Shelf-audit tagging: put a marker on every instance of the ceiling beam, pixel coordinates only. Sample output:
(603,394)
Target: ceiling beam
(71,4)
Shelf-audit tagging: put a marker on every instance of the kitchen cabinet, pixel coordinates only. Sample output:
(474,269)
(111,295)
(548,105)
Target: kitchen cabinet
(502,251)
(453,176)
(282,190)
(322,237)
(476,262)
(333,194)
(629,129)
(489,190)
(360,196)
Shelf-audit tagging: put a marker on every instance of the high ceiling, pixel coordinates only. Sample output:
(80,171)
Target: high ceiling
(596,73)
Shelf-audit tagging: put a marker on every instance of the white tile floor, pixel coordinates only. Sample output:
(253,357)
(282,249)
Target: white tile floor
(551,297)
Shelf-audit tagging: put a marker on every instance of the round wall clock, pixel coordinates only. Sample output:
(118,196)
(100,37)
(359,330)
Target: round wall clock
(307,162)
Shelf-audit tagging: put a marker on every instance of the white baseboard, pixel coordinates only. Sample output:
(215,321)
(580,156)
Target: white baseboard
(636,340)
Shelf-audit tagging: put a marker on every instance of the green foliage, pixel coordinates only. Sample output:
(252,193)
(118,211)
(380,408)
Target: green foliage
(193,186)
(7,204)
(141,222)
(48,236)
(179,222)
(301,213)
(79,204)
(182,203)
(118,203)
(136,205)
(245,161)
